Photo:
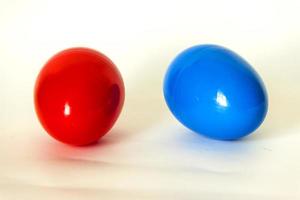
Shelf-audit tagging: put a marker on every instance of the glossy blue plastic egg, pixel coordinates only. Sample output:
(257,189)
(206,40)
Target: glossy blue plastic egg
(215,92)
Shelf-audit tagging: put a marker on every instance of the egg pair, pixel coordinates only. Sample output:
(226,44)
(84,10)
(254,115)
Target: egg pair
(79,94)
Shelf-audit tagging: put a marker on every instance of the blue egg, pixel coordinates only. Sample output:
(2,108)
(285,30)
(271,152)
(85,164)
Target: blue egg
(215,92)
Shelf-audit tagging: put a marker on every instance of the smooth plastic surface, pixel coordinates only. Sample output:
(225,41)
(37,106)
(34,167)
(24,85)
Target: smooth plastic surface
(215,92)
(78,96)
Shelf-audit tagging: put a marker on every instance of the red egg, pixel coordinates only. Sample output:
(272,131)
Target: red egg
(78,96)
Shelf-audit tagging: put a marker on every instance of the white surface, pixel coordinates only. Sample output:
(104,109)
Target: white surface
(148,154)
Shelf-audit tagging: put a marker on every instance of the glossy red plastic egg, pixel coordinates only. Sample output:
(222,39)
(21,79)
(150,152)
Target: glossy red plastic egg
(78,96)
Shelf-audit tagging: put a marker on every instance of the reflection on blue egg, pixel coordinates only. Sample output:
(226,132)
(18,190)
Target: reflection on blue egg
(215,92)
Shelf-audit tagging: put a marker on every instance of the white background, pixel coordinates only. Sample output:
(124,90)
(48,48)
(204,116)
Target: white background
(148,154)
